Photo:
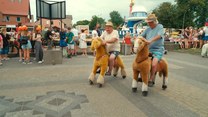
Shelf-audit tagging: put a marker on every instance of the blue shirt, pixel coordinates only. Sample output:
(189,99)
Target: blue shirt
(149,33)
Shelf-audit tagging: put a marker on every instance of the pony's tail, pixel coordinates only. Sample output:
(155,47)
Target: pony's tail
(164,68)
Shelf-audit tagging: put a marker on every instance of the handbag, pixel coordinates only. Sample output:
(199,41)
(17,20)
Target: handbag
(24,40)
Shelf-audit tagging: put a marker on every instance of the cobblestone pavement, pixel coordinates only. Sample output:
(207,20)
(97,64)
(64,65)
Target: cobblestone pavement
(39,90)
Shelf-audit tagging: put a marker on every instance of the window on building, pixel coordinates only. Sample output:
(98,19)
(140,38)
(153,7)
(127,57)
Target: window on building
(18,19)
(7,18)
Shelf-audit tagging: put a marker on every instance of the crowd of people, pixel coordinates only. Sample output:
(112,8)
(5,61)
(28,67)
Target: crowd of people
(191,37)
(36,40)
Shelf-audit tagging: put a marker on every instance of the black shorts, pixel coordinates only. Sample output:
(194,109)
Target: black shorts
(116,53)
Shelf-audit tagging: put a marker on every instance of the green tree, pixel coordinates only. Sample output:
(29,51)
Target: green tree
(182,14)
(82,22)
(96,20)
(116,18)
(166,13)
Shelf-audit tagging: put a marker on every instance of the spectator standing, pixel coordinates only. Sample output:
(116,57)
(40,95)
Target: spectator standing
(83,43)
(76,40)
(181,39)
(49,38)
(63,43)
(70,43)
(63,38)
(1,46)
(38,44)
(186,37)
(191,34)
(18,35)
(205,34)
(127,40)
(26,45)
(195,38)
(200,31)
(5,49)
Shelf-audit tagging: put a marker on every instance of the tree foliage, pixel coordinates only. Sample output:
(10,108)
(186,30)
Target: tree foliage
(182,14)
(116,18)
(82,22)
(96,20)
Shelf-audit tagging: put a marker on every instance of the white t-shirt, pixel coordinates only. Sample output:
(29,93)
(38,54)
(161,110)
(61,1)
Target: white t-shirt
(206,30)
(94,34)
(111,46)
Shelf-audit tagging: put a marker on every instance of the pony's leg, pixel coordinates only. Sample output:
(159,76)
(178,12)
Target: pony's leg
(115,71)
(100,79)
(134,81)
(121,65)
(144,75)
(165,82)
(92,75)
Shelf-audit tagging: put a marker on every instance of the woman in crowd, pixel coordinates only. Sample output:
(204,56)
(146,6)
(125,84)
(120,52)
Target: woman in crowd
(83,43)
(5,49)
(195,39)
(186,37)
(26,45)
(18,35)
(1,46)
(38,44)
(200,31)
(127,40)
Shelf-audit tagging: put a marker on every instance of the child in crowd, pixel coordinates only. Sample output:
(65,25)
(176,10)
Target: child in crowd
(26,45)
(38,44)
(83,43)
(70,42)
(1,46)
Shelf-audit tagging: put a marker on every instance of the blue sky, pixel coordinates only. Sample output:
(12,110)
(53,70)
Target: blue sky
(85,9)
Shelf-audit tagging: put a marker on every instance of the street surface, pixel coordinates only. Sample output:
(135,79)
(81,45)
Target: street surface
(39,90)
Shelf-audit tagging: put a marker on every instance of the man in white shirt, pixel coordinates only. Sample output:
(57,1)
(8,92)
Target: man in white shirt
(111,40)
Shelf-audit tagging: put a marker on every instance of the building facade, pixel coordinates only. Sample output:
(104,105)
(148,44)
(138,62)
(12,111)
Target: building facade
(14,12)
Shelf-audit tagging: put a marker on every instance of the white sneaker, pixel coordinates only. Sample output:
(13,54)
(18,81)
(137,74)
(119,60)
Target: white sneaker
(40,62)
(1,63)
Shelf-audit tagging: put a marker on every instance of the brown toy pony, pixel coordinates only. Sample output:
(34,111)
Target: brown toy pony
(101,61)
(142,66)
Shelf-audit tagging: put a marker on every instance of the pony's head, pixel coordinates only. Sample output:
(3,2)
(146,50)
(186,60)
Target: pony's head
(139,44)
(96,43)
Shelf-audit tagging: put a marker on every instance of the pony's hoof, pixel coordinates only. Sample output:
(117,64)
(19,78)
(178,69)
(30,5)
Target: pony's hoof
(134,90)
(99,85)
(164,87)
(139,79)
(151,83)
(91,83)
(123,77)
(145,93)
(114,75)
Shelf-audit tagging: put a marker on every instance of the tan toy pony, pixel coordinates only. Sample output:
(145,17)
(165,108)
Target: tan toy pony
(101,61)
(142,66)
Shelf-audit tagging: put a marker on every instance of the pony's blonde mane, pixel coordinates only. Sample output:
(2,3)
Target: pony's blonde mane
(143,54)
(100,49)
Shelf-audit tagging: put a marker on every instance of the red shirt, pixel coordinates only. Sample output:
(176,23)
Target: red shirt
(127,40)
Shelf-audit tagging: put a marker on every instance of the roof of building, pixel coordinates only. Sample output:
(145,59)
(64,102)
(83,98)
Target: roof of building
(15,7)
